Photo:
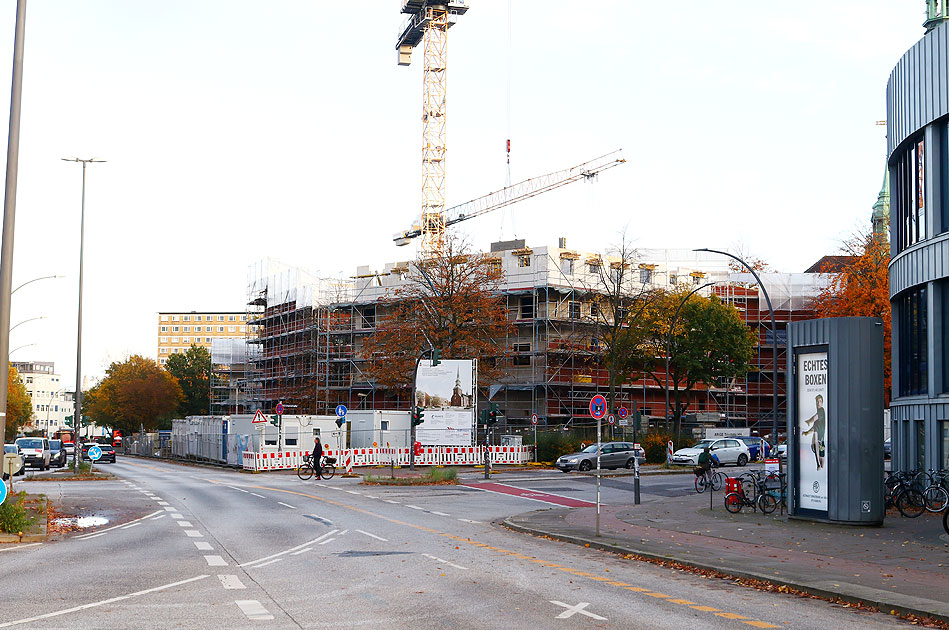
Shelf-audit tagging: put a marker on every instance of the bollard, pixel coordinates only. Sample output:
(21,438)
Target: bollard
(635,480)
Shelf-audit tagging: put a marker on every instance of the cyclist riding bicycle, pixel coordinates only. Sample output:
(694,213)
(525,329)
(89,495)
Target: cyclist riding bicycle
(317,456)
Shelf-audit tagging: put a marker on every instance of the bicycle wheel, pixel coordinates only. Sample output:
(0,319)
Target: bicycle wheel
(767,503)
(733,502)
(327,471)
(718,480)
(700,483)
(911,503)
(936,498)
(304,471)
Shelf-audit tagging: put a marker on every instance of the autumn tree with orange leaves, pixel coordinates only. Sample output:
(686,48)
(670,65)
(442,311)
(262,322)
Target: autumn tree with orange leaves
(451,302)
(861,288)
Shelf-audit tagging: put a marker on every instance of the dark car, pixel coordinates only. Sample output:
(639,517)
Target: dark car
(57,453)
(614,455)
(755,445)
(108,452)
(13,448)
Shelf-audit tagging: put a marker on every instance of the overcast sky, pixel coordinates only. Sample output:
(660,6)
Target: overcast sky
(238,130)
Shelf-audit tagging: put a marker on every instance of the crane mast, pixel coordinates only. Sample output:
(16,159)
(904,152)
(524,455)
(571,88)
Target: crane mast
(428,22)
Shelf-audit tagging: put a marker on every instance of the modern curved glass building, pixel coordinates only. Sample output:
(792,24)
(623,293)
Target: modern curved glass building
(917,102)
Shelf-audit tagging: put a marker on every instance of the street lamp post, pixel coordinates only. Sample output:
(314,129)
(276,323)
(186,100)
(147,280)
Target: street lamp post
(77,417)
(33,280)
(774,340)
(669,340)
(9,207)
(32,319)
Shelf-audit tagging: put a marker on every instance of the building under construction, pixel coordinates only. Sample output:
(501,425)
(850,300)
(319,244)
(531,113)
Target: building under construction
(306,351)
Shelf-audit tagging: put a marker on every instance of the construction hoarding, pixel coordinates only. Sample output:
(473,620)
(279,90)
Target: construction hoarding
(446,393)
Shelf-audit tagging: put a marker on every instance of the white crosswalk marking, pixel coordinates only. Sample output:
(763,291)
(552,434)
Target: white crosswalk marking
(216,561)
(203,546)
(253,609)
(231,581)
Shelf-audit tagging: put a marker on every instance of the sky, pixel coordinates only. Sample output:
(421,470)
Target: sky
(236,131)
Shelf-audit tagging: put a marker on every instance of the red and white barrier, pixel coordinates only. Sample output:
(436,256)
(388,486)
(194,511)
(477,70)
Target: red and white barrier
(428,456)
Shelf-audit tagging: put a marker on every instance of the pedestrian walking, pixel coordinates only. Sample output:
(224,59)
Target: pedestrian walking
(317,456)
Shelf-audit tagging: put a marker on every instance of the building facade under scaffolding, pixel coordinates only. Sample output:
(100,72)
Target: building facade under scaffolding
(310,332)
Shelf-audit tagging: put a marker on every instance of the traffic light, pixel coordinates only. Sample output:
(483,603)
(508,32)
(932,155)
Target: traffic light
(418,416)
(493,415)
(275,420)
(68,421)
(339,421)
(436,357)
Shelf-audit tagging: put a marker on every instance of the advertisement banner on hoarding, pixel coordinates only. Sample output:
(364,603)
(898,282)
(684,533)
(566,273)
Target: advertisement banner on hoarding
(446,393)
(812,407)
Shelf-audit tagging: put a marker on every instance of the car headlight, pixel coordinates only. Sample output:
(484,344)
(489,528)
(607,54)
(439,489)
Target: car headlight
(572,459)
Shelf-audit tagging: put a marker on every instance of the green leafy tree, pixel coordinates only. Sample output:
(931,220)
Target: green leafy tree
(708,342)
(192,369)
(19,405)
(135,393)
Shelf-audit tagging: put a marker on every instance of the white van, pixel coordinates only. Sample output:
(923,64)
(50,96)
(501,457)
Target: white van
(35,451)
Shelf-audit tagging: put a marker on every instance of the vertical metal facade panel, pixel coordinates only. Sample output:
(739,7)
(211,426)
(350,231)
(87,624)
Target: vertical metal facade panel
(855,398)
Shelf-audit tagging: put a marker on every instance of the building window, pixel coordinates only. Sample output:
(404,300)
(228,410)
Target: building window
(220,329)
(220,318)
(645,276)
(566,266)
(527,308)
(910,197)
(594,310)
(174,339)
(913,350)
(243,318)
(593,267)
(164,328)
(369,316)
(175,329)
(163,318)
(186,318)
(163,340)
(187,329)
(230,318)
(672,279)
(243,328)
(523,261)
(522,354)
(207,340)
(574,310)
(232,329)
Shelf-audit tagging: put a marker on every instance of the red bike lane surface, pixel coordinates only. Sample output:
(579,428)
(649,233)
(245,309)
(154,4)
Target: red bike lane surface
(534,495)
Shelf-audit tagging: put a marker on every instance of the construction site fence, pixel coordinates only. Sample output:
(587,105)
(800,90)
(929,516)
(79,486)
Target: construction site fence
(346,459)
(225,449)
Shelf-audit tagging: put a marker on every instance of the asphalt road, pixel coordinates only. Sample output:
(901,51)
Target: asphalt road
(190,547)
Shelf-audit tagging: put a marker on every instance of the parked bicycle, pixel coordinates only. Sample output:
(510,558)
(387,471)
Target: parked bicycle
(899,491)
(754,495)
(327,468)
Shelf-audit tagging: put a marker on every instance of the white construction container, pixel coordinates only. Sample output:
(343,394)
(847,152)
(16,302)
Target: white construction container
(379,428)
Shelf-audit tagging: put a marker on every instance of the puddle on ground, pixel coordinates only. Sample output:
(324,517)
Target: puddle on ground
(81,521)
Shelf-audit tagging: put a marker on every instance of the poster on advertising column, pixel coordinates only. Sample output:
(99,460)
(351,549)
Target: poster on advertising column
(812,405)
(446,393)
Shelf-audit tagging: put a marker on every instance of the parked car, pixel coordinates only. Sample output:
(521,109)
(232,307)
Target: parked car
(70,448)
(754,445)
(57,454)
(615,455)
(728,451)
(888,449)
(35,451)
(783,452)
(13,448)
(108,452)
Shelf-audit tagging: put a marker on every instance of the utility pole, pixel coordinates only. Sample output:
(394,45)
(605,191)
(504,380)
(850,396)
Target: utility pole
(77,418)
(9,210)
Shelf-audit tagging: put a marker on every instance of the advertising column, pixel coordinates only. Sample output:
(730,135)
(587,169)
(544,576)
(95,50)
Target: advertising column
(812,405)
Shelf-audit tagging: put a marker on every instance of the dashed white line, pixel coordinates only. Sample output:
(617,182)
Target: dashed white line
(216,561)
(21,547)
(390,501)
(263,564)
(372,535)
(130,525)
(203,546)
(297,553)
(369,496)
(258,495)
(468,520)
(155,518)
(92,536)
(184,523)
(103,602)
(414,507)
(253,609)
(445,562)
(291,550)
(231,581)
(353,492)
(176,515)
(116,526)
(193,533)
(171,509)
(328,540)
(286,505)
(163,503)
(440,513)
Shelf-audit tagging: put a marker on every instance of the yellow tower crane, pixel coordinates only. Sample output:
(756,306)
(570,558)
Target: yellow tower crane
(428,22)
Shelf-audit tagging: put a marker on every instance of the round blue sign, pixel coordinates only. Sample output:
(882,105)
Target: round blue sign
(623,412)
(341,410)
(3,492)
(279,409)
(598,406)
(95,453)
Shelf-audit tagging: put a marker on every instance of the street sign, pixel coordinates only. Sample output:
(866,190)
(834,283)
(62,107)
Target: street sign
(340,410)
(533,418)
(611,419)
(259,418)
(279,409)
(637,446)
(598,406)
(623,412)
(623,421)
(95,453)
(3,491)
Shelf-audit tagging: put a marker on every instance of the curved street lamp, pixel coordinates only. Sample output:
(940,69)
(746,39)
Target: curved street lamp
(774,339)
(672,325)
(32,319)
(21,347)
(33,280)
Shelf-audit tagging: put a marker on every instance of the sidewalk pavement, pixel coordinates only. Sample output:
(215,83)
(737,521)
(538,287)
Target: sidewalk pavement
(901,566)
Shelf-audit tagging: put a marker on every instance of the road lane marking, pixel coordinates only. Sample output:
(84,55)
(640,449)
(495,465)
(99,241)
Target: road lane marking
(80,537)
(101,603)
(414,507)
(286,505)
(572,610)
(530,495)
(163,503)
(325,521)
(193,533)
(390,501)
(468,520)
(297,553)
(291,550)
(231,581)
(372,535)
(171,509)
(183,523)
(761,624)
(155,518)
(92,536)
(445,562)
(203,546)
(704,608)
(130,525)
(258,495)
(21,547)
(681,601)
(263,564)
(728,615)
(216,561)
(253,610)
(328,540)
(440,513)
(353,492)
(176,515)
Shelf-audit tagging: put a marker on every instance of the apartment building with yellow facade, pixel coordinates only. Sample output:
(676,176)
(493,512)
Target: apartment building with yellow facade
(179,330)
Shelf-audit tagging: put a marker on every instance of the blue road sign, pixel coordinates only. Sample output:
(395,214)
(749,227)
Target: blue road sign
(279,409)
(598,407)
(3,492)
(623,412)
(95,453)
(341,410)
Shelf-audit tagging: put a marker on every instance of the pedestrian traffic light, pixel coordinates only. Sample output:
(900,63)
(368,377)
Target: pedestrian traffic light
(339,421)
(436,357)
(493,415)
(418,416)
